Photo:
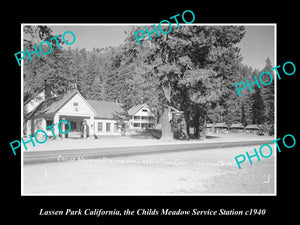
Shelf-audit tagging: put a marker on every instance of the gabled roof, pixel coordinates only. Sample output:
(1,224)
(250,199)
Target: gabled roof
(237,125)
(221,125)
(51,105)
(252,126)
(133,110)
(42,89)
(105,110)
(102,109)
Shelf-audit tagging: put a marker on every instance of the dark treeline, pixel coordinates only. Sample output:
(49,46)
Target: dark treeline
(192,69)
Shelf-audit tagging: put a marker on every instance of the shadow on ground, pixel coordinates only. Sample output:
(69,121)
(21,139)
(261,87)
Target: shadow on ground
(146,134)
(156,134)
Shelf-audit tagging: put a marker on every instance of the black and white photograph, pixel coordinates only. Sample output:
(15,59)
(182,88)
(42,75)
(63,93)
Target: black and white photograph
(149,112)
(163,109)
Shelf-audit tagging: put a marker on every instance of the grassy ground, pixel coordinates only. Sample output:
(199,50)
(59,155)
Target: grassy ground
(211,171)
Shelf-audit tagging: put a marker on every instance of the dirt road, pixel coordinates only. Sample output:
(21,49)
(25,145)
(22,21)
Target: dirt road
(205,172)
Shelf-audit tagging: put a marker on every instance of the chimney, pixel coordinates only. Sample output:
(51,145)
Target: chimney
(66,90)
(47,90)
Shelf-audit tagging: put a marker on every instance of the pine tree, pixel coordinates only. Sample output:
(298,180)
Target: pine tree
(190,66)
(51,67)
(243,116)
(257,107)
(268,94)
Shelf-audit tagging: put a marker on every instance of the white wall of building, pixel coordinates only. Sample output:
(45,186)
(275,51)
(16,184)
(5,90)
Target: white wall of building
(76,105)
(108,127)
(142,116)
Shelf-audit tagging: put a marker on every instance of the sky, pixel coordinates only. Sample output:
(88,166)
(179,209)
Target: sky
(94,36)
(256,46)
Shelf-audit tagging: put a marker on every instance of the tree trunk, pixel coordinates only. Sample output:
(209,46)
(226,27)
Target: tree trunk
(204,128)
(196,125)
(167,133)
(187,124)
(166,127)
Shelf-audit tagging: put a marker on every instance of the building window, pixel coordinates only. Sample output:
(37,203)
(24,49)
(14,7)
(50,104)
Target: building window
(136,117)
(100,124)
(49,123)
(75,104)
(145,125)
(107,127)
(136,124)
(144,117)
(115,127)
(144,110)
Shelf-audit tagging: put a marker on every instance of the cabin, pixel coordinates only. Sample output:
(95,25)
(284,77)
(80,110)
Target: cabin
(210,127)
(221,128)
(237,128)
(252,129)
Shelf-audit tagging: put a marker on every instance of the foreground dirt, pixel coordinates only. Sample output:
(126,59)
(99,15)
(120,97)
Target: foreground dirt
(204,172)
